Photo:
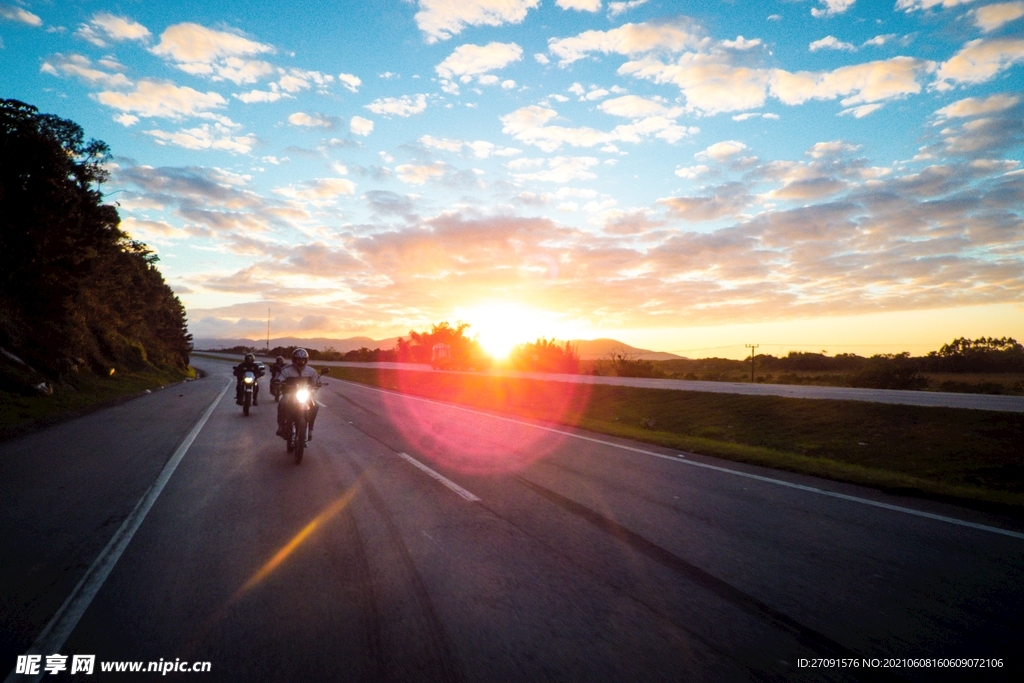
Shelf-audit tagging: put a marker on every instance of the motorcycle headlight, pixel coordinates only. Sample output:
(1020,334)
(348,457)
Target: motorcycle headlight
(248,380)
(302,395)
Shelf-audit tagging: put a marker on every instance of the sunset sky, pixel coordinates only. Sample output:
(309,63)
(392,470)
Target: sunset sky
(836,175)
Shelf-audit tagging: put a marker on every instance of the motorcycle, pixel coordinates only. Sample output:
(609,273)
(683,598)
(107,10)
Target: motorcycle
(299,398)
(276,389)
(249,386)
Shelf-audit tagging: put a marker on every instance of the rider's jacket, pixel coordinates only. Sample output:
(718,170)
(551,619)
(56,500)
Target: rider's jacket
(293,373)
(255,368)
(276,369)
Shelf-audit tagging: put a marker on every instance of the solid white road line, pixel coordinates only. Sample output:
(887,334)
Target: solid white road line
(56,633)
(441,478)
(681,459)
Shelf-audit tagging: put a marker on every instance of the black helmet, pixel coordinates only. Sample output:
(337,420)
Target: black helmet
(279,360)
(249,358)
(300,357)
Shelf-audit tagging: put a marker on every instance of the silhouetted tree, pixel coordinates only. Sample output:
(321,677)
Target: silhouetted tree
(985,354)
(545,355)
(420,344)
(74,289)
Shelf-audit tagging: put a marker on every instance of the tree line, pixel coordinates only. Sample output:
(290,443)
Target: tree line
(76,293)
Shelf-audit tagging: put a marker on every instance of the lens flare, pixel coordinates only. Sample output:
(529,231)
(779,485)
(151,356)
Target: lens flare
(469,423)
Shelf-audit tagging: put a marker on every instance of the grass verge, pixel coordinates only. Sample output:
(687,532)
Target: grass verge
(967,456)
(20,414)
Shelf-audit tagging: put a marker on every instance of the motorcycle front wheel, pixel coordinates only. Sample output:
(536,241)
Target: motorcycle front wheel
(246,402)
(300,438)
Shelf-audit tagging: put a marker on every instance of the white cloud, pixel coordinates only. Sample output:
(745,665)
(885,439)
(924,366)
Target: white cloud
(692,172)
(319,192)
(580,5)
(160,99)
(856,84)
(532,125)
(82,67)
(442,19)
(714,81)
(469,60)
(22,16)
(295,80)
(290,81)
(979,61)
(403,106)
(832,8)
(418,175)
(261,96)
(721,151)
(617,8)
(126,120)
(524,164)
(741,43)
(628,39)
(754,115)
(481,149)
(219,55)
(710,82)
(305,120)
(833,148)
(350,82)
(105,27)
(991,17)
(973,106)
(912,5)
(443,144)
(634,107)
(879,41)
(861,111)
(830,43)
(541,58)
(360,126)
(215,136)
(562,169)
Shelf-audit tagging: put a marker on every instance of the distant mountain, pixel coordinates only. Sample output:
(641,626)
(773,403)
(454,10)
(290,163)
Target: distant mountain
(589,349)
(600,349)
(318,343)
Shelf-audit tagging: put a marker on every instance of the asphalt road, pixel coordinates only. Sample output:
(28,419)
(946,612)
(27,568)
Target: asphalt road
(426,542)
(928,399)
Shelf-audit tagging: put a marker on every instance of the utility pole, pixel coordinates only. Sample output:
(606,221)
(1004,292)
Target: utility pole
(751,347)
(268,333)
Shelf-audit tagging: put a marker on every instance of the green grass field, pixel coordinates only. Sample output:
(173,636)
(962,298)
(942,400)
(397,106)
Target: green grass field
(19,413)
(970,456)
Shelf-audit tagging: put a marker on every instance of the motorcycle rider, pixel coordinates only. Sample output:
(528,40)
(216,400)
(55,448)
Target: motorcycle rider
(298,370)
(247,365)
(275,372)
(277,367)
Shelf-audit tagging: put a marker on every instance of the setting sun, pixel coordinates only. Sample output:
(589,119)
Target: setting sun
(499,327)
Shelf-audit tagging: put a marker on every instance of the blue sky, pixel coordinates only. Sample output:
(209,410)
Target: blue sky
(684,176)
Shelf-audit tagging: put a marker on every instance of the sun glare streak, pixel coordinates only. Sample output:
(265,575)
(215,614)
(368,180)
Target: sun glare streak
(296,540)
